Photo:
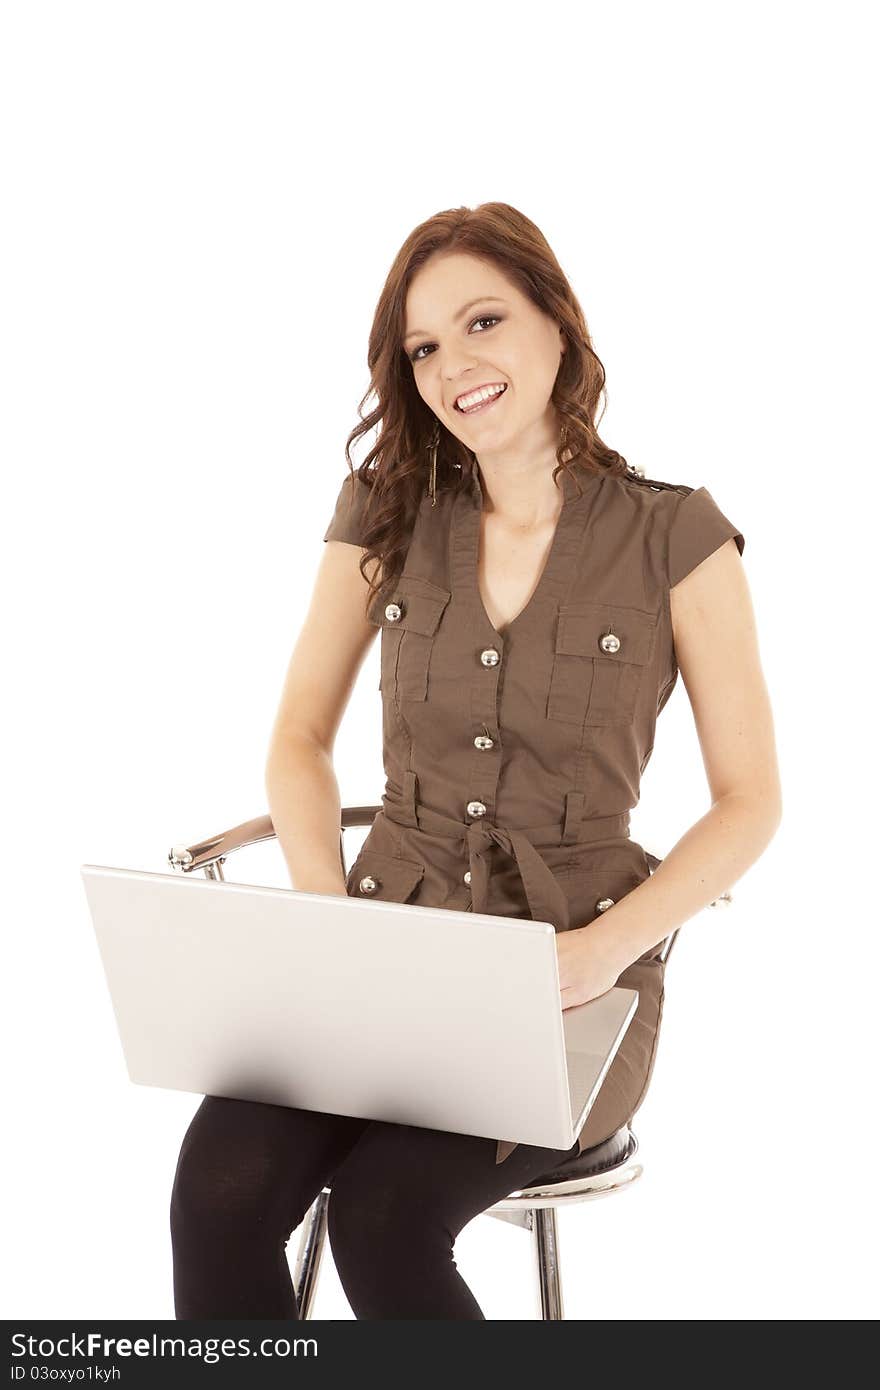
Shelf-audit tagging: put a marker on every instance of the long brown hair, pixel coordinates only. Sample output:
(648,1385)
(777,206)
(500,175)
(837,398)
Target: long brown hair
(397,467)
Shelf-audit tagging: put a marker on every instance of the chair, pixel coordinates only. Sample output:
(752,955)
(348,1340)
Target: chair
(597,1172)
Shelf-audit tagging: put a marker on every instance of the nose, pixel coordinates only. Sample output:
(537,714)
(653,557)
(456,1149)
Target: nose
(458,368)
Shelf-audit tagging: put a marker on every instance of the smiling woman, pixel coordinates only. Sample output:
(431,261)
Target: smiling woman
(500,377)
(524,591)
(475,299)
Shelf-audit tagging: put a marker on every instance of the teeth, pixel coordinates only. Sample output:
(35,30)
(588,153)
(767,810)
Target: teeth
(475,397)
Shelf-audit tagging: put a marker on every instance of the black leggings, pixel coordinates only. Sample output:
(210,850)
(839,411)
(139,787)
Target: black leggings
(248,1172)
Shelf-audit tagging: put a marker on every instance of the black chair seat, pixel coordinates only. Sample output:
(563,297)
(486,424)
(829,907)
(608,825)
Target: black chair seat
(598,1159)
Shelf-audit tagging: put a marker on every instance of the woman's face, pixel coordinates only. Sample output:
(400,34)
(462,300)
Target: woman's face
(468,326)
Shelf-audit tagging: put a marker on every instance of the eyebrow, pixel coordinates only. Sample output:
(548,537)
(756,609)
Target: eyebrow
(483,299)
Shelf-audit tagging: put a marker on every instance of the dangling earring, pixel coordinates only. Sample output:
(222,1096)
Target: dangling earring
(432,452)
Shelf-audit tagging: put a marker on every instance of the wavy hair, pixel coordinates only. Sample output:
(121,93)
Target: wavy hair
(396,468)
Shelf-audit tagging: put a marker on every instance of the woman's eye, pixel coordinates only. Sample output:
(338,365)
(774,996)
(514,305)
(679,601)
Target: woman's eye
(484,318)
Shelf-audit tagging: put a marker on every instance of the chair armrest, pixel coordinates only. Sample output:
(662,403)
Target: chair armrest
(214,850)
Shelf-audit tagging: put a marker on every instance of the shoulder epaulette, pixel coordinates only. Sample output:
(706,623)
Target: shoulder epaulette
(633,477)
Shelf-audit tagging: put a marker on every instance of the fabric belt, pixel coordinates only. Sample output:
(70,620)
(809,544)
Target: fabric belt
(546,899)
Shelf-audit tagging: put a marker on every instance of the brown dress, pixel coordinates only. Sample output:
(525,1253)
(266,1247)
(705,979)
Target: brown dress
(512,761)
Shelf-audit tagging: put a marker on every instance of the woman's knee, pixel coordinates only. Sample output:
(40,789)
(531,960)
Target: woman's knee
(223,1178)
(366,1215)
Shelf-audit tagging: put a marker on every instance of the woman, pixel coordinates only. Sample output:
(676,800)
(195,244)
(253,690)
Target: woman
(536,600)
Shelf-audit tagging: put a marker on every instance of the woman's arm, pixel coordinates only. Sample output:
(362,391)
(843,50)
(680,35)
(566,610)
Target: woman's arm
(301,785)
(716,646)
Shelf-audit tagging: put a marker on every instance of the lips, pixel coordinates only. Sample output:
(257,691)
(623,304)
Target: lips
(481,387)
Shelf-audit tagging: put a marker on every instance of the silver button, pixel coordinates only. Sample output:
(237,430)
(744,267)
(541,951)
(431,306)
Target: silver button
(490,657)
(603,904)
(610,642)
(483,742)
(368,884)
(393,611)
(476,808)
(467,877)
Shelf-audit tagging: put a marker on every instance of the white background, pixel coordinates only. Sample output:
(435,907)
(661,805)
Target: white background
(201,204)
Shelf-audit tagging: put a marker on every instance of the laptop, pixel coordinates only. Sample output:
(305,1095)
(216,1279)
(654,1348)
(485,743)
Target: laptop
(389,1011)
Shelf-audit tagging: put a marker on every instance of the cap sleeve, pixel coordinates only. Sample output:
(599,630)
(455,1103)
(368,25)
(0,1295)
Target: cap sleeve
(348,521)
(697,529)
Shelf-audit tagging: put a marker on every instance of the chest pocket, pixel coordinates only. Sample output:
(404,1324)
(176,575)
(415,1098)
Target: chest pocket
(409,616)
(601,653)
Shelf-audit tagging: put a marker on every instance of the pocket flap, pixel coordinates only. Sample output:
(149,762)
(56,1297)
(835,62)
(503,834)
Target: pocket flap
(394,879)
(421,605)
(583,625)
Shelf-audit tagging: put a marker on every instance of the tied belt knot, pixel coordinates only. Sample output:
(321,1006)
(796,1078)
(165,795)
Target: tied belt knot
(545,897)
(546,900)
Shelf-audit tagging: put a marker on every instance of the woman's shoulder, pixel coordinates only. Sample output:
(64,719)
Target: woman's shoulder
(635,478)
(350,512)
(692,523)
(654,501)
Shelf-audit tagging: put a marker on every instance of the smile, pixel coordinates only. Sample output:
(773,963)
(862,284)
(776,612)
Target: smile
(480,400)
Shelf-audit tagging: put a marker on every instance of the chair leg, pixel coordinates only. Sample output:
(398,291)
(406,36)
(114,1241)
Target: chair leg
(308,1259)
(547,1256)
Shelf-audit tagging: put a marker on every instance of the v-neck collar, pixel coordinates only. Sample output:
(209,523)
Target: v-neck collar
(554,578)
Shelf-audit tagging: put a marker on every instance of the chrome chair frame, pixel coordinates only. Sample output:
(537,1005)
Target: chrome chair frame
(597,1172)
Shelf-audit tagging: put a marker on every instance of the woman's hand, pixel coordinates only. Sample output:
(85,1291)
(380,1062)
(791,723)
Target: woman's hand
(586,966)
